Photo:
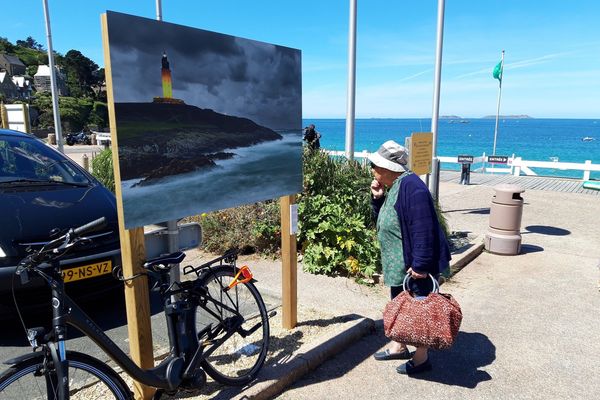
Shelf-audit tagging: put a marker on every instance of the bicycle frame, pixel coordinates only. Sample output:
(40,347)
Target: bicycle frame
(185,355)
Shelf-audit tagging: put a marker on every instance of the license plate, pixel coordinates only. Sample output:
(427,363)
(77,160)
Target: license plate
(86,271)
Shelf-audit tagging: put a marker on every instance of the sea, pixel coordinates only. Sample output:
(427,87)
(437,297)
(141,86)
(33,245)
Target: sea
(529,138)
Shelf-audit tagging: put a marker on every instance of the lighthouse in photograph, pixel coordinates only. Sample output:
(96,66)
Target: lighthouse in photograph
(166,78)
(167,84)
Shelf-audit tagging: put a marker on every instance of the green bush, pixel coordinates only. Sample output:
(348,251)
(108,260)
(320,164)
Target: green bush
(336,229)
(102,169)
(251,228)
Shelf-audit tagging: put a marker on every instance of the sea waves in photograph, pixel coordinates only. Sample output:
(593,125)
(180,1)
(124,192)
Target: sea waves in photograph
(260,172)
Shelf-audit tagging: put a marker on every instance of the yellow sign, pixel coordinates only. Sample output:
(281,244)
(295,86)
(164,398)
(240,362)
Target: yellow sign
(420,152)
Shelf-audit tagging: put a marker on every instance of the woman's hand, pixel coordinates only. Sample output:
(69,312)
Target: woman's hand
(416,275)
(376,189)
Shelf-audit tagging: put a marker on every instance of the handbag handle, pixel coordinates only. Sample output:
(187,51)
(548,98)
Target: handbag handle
(408,277)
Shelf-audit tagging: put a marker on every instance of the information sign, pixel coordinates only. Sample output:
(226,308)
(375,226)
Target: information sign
(465,159)
(420,152)
(497,159)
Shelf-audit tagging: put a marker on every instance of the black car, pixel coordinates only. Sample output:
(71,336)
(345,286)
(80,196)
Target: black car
(43,192)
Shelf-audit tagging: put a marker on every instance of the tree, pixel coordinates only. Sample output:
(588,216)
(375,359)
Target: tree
(42,102)
(30,43)
(74,113)
(6,46)
(31,69)
(99,115)
(80,72)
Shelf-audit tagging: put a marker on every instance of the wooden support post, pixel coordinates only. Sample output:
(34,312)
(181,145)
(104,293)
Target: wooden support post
(133,253)
(289,266)
(3,116)
(137,303)
(26,120)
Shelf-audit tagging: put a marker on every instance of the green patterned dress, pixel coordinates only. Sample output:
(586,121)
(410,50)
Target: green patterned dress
(390,237)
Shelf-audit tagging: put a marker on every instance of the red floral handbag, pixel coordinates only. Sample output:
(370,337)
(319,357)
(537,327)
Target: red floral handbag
(432,321)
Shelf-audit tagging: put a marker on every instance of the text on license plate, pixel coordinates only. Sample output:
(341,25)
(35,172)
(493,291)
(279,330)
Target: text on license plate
(87,271)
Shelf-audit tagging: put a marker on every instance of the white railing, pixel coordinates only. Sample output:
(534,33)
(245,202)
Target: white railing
(515,166)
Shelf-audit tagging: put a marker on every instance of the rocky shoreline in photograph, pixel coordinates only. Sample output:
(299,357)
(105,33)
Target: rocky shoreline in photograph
(160,140)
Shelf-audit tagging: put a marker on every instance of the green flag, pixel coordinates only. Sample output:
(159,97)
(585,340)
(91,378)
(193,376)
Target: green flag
(498,71)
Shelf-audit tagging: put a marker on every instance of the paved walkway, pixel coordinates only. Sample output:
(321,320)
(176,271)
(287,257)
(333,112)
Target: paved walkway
(530,327)
(526,182)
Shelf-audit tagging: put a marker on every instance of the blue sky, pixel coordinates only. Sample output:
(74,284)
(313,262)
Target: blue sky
(552,62)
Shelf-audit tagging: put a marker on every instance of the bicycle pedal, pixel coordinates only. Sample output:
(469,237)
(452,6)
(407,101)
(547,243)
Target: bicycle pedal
(198,380)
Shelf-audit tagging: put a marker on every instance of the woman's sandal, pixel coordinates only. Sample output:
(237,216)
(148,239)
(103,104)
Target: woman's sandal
(386,355)
(409,368)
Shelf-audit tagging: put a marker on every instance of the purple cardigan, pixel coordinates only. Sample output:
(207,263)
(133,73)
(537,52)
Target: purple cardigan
(424,244)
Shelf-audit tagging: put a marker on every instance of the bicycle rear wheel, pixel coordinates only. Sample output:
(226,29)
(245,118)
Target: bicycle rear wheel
(238,359)
(88,379)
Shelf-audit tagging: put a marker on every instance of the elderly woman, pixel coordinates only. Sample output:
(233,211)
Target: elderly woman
(412,241)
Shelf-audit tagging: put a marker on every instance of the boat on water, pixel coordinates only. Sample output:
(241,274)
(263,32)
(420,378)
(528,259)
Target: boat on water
(587,139)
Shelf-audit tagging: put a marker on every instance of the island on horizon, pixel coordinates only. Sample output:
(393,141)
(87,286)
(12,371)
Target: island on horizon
(522,116)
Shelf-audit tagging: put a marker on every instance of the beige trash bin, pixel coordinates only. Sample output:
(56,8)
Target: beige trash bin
(504,231)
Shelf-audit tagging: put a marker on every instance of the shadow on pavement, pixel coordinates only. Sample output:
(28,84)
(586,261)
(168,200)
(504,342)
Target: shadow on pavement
(482,210)
(530,248)
(347,360)
(547,230)
(108,311)
(459,366)
(281,351)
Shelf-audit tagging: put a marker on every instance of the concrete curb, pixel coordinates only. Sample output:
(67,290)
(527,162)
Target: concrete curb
(459,261)
(280,376)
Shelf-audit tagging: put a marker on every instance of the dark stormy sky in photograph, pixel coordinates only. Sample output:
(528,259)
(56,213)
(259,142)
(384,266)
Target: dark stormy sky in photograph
(230,75)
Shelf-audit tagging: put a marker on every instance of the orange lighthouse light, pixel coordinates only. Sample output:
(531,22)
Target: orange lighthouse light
(166,78)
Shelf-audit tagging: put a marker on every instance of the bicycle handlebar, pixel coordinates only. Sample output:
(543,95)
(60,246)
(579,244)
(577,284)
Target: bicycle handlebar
(46,252)
(90,226)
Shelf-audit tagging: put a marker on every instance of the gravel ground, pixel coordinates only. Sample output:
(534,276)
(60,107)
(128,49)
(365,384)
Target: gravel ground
(284,344)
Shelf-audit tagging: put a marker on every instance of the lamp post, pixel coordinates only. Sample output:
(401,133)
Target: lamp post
(434,182)
(53,88)
(351,82)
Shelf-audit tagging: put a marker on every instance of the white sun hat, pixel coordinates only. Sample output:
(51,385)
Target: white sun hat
(391,156)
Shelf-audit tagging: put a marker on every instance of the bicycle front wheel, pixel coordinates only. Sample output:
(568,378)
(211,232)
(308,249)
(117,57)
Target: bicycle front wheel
(239,357)
(88,379)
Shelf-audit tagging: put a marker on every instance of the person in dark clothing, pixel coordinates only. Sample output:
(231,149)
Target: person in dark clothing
(311,136)
(410,236)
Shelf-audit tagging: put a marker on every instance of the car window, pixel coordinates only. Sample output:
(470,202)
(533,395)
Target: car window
(30,159)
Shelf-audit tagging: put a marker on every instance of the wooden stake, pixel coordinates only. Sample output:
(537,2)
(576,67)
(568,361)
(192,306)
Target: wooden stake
(26,122)
(3,116)
(289,266)
(133,253)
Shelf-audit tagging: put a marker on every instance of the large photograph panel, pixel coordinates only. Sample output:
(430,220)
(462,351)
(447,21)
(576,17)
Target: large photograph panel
(205,121)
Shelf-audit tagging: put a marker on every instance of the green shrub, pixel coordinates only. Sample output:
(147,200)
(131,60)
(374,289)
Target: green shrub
(334,213)
(251,228)
(102,169)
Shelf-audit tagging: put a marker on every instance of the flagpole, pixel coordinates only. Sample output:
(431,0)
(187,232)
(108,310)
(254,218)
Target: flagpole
(499,96)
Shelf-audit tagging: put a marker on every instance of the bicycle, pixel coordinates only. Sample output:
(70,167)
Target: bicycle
(217,323)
